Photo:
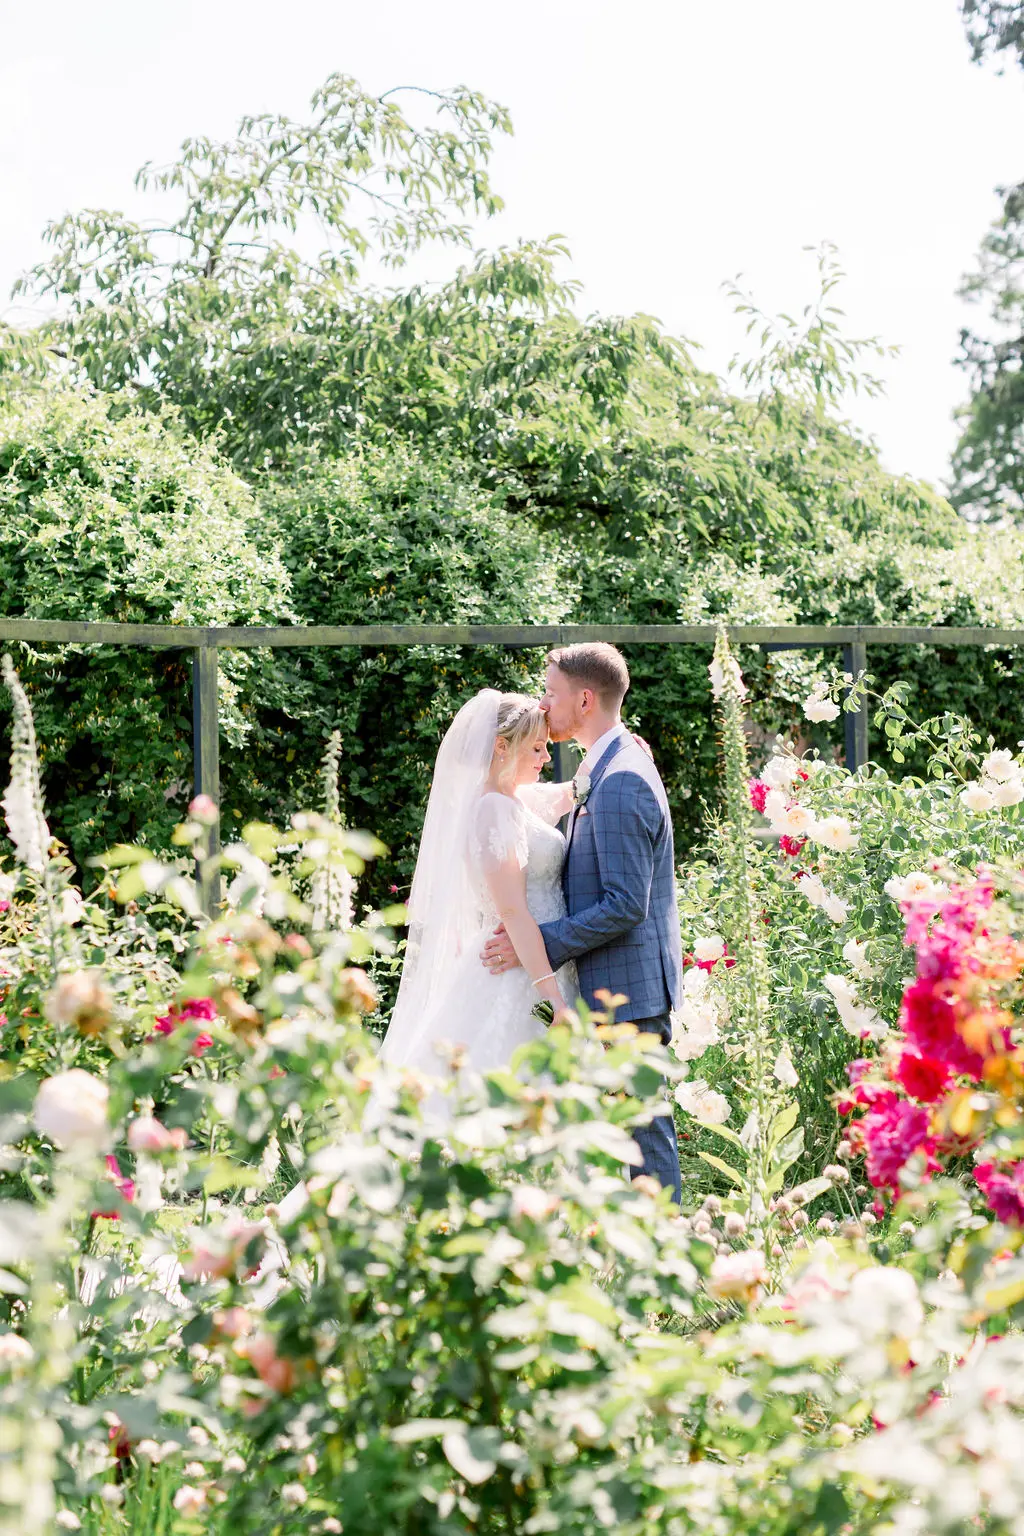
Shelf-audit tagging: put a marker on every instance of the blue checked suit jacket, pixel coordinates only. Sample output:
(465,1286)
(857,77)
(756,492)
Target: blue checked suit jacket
(622,927)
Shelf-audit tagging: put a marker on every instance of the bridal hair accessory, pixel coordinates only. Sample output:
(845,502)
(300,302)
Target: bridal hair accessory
(581,789)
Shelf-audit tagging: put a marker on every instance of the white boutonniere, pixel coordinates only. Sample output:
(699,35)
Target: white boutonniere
(580,789)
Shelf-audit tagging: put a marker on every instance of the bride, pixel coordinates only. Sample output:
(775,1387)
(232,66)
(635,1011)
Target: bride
(490,853)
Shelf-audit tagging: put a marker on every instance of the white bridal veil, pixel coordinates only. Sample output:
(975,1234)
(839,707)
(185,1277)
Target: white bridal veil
(443,905)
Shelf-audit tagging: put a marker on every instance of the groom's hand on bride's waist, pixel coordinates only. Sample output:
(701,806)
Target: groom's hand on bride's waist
(498,954)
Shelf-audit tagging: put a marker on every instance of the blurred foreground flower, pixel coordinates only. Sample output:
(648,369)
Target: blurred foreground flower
(71,1109)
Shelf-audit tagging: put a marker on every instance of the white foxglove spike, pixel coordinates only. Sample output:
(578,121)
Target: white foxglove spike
(23,802)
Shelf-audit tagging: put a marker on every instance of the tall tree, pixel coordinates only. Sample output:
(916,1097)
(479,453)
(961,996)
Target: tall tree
(994,26)
(988,462)
(227,289)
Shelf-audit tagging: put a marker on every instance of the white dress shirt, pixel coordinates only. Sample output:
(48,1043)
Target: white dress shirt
(597,751)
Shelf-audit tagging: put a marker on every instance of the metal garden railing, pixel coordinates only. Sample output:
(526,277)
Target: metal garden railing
(205,642)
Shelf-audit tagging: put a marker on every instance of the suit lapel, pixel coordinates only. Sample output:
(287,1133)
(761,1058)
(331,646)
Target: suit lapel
(595,778)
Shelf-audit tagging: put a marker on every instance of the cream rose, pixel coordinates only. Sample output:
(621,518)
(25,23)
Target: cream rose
(818,708)
(977,798)
(834,832)
(710,947)
(71,1109)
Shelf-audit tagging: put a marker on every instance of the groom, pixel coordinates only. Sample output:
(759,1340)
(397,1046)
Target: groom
(622,927)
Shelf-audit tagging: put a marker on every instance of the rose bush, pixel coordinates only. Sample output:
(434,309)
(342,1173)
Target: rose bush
(265,1287)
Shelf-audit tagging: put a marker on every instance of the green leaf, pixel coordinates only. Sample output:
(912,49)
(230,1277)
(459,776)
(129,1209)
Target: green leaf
(723,1131)
(783,1123)
(831,1509)
(810,1190)
(730,1173)
(789,1149)
(466,1242)
(17,1094)
(224,1174)
(122,855)
(424,1429)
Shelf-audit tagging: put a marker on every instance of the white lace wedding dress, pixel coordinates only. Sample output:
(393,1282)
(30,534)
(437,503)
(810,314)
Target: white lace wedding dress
(490,1016)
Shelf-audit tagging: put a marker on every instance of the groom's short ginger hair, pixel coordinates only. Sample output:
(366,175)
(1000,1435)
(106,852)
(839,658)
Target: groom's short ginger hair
(595,665)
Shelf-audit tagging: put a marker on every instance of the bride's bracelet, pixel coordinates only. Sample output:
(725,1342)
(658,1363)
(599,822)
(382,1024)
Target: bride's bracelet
(537,980)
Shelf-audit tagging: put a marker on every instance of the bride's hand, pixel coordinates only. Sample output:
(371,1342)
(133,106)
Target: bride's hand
(644,744)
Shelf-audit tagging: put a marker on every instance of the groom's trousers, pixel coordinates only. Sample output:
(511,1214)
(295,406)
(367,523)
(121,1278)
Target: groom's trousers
(657,1141)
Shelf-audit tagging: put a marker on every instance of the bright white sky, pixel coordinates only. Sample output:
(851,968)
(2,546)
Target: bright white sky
(675,144)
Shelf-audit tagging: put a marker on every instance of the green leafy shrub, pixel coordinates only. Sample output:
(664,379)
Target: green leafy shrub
(389,537)
(107,514)
(833,913)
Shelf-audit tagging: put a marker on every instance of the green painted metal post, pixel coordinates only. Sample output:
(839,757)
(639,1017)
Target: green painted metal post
(855,661)
(206,758)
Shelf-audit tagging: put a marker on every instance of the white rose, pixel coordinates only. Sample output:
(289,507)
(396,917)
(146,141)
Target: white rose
(695,982)
(780,771)
(293,1495)
(812,887)
(67,1520)
(702,1102)
(917,886)
(858,1019)
(532,1201)
(795,821)
(784,1069)
(71,1109)
(977,798)
(72,907)
(854,953)
(835,907)
(839,987)
(1001,766)
(1006,792)
(82,998)
(887,1300)
(817,708)
(835,832)
(775,803)
(710,947)
(693,1033)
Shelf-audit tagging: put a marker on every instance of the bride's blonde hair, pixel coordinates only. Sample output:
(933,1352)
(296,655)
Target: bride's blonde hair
(520,720)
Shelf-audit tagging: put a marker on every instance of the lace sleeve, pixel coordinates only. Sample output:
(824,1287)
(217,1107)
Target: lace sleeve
(500,833)
(548,801)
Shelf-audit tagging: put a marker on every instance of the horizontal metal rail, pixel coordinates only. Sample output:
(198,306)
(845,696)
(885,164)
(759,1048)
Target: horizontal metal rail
(204,641)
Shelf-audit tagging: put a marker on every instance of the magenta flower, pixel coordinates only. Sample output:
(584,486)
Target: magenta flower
(892,1132)
(125,1188)
(194,1008)
(1003,1188)
(921,1077)
(758,793)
